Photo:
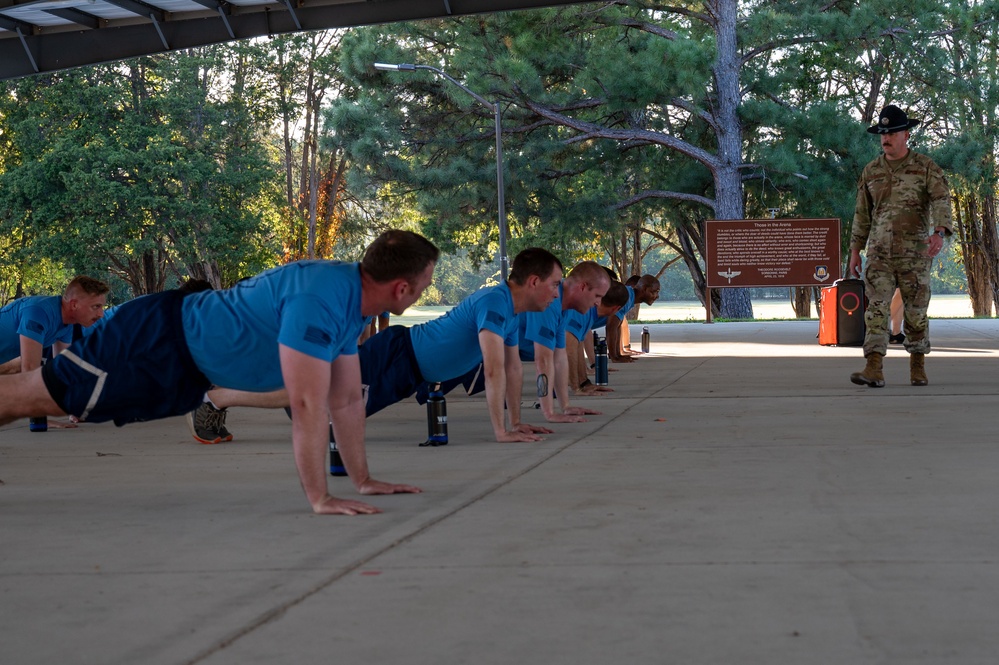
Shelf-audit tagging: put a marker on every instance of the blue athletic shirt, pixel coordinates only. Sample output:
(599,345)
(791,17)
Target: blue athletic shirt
(36,317)
(577,324)
(310,306)
(621,313)
(448,346)
(547,328)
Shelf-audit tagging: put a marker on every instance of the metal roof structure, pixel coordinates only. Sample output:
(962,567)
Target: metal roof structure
(38,36)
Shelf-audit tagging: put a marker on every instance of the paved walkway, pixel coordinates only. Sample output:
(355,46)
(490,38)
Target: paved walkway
(740,501)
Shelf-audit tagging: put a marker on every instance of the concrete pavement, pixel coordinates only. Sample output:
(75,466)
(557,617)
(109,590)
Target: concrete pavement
(740,501)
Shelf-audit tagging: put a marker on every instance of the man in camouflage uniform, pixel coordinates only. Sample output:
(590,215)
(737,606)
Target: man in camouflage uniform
(902,217)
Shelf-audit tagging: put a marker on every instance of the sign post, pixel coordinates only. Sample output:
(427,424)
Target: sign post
(770,252)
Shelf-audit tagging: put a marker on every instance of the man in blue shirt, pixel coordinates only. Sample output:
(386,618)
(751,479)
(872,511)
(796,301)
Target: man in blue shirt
(295,326)
(577,331)
(645,291)
(542,339)
(28,325)
(482,328)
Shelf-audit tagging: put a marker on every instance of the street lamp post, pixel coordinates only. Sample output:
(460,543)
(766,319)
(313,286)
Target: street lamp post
(500,194)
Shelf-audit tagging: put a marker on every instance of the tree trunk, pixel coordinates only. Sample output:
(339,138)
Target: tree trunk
(691,249)
(973,249)
(208,271)
(735,303)
(990,246)
(801,301)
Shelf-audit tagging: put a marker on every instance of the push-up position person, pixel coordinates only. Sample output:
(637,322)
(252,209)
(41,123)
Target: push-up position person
(646,290)
(297,327)
(28,325)
(482,328)
(577,333)
(542,339)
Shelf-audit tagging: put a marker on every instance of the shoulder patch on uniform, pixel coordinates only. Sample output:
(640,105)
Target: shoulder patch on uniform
(35,326)
(496,318)
(574,324)
(546,332)
(318,336)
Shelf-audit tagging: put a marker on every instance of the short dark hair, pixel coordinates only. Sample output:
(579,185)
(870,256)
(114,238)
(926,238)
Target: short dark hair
(533,261)
(194,286)
(616,296)
(590,272)
(611,274)
(633,280)
(88,285)
(398,254)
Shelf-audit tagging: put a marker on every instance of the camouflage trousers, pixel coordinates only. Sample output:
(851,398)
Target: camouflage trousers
(912,277)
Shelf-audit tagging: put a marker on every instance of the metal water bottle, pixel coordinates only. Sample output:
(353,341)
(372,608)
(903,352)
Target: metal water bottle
(436,418)
(336,462)
(646,338)
(600,356)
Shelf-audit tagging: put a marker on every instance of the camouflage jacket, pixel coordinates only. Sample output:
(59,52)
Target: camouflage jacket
(898,208)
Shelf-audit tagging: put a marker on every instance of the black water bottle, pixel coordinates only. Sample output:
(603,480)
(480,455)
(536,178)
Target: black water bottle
(600,353)
(336,462)
(436,418)
(646,338)
(40,424)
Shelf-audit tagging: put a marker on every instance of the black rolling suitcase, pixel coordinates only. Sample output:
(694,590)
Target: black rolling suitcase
(841,316)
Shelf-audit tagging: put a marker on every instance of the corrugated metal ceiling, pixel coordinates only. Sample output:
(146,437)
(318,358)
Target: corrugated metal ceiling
(39,36)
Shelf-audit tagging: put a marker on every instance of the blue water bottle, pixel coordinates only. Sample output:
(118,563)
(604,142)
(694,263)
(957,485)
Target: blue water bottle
(336,462)
(600,353)
(436,418)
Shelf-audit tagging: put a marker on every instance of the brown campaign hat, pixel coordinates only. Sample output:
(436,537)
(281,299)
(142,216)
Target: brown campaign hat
(892,119)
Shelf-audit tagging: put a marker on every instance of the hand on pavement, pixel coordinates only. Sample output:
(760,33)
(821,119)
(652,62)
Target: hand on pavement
(372,486)
(513,436)
(532,429)
(580,411)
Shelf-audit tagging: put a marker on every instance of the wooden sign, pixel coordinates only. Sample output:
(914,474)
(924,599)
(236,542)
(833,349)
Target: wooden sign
(771,252)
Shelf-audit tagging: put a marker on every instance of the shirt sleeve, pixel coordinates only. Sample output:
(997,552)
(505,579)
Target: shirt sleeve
(542,328)
(490,315)
(34,322)
(307,325)
(861,215)
(939,192)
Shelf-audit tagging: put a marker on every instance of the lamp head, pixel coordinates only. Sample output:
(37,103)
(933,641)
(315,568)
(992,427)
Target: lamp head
(386,67)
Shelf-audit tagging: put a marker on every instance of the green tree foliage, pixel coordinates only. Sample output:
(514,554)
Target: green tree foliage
(625,126)
(630,119)
(152,170)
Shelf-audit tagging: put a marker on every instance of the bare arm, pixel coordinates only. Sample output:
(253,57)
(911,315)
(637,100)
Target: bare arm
(615,351)
(31,354)
(544,361)
(561,384)
(577,364)
(494,358)
(346,408)
(308,382)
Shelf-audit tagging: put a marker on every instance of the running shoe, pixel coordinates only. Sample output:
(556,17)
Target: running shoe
(207,424)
